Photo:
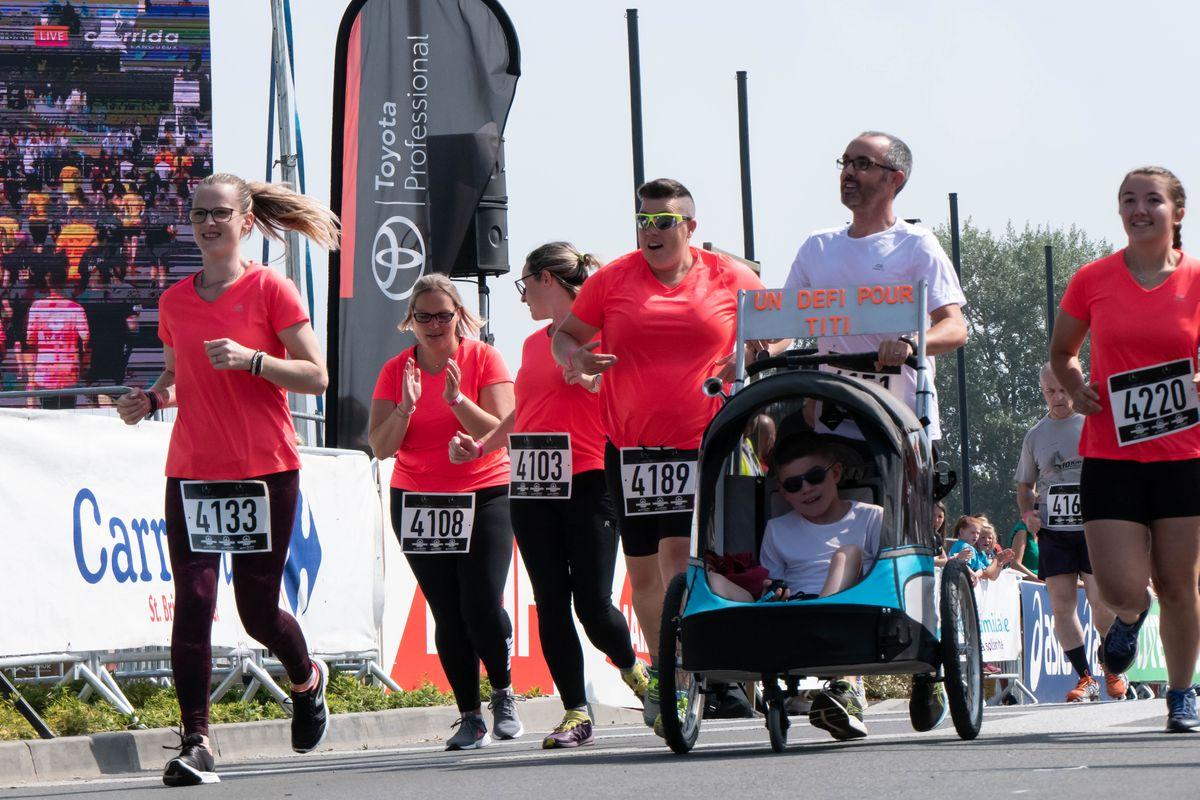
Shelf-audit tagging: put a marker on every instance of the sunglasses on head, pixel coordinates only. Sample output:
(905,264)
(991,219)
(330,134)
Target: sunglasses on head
(814,476)
(663,221)
(443,317)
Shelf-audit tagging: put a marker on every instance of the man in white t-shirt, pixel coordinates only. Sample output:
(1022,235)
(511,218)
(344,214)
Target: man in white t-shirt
(878,248)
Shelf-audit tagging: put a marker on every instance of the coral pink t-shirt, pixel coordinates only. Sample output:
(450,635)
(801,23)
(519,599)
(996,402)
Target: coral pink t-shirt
(668,341)
(423,460)
(1133,328)
(231,424)
(56,328)
(548,404)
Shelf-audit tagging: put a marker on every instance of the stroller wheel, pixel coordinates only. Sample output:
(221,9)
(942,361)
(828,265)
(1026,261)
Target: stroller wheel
(962,659)
(681,703)
(777,725)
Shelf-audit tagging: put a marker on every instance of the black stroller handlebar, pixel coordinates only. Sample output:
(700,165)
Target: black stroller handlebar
(855,362)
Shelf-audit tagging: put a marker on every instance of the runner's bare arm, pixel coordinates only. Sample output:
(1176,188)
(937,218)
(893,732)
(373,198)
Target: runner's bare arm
(1026,502)
(569,352)
(135,405)
(386,427)
(1069,333)
(947,333)
(304,370)
(464,447)
(498,436)
(495,403)
(1019,542)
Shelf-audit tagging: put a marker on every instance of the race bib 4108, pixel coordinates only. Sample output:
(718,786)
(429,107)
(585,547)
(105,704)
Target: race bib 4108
(433,522)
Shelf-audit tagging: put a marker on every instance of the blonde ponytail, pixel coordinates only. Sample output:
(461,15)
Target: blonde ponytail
(278,208)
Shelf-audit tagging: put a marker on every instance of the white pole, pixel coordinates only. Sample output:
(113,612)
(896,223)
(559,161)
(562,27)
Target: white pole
(287,164)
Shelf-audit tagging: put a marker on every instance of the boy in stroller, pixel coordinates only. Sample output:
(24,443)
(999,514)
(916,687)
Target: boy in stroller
(824,545)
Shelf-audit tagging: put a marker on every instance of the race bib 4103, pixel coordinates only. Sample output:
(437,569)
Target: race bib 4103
(540,466)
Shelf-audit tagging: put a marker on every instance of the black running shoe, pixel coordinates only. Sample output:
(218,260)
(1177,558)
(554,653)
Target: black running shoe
(193,766)
(1181,711)
(310,716)
(1119,649)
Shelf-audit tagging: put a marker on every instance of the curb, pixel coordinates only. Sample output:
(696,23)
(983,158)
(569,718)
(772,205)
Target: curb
(123,752)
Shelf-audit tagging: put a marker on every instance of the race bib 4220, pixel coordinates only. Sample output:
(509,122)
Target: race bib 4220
(1153,402)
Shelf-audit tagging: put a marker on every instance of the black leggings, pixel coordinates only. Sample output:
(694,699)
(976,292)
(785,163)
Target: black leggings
(256,579)
(570,548)
(465,592)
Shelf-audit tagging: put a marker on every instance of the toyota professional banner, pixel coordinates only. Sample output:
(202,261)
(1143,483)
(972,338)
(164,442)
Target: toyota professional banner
(106,128)
(422,93)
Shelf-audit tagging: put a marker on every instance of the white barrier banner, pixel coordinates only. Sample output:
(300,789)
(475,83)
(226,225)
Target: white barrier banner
(81,524)
(999,603)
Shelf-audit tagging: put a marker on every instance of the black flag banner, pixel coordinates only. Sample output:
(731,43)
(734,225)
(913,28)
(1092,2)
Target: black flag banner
(422,90)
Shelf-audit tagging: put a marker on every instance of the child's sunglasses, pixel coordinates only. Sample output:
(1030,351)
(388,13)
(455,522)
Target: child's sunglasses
(795,483)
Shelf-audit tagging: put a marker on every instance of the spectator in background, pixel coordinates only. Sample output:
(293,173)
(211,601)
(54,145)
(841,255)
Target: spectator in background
(1024,544)
(979,556)
(1048,479)
(939,533)
(56,337)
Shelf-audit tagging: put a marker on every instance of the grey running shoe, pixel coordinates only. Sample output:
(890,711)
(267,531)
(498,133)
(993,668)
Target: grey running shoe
(310,716)
(1181,711)
(472,733)
(193,766)
(838,709)
(505,722)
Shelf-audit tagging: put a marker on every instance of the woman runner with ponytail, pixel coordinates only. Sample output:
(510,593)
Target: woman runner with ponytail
(1141,436)
(568,540)
(236,339)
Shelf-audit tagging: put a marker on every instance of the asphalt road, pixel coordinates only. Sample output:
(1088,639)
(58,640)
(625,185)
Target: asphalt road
(1059,751)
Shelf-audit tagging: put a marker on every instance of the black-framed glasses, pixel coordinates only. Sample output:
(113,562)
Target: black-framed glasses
(198,215)
(444,317)
(795,483)
(522,287)
(663,221)
(862,164)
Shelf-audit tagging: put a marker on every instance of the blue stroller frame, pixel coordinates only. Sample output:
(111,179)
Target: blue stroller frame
(901,618)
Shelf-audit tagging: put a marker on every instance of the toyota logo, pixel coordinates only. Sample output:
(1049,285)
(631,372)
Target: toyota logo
(398,259)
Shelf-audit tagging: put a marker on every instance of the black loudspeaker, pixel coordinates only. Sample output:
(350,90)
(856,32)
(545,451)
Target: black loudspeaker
(485,247)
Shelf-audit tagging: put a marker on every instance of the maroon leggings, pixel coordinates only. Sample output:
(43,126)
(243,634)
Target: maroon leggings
(256,579)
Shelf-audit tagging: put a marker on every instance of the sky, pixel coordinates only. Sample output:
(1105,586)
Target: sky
(1030,112)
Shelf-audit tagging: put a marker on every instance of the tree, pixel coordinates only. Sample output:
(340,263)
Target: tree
(1003,278)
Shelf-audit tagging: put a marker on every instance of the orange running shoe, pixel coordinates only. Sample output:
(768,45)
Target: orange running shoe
(1086,691)
(1117,685)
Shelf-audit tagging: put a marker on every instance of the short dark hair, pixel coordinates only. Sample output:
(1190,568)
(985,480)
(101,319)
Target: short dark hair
(663,189)
(898,155)
(801,445)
